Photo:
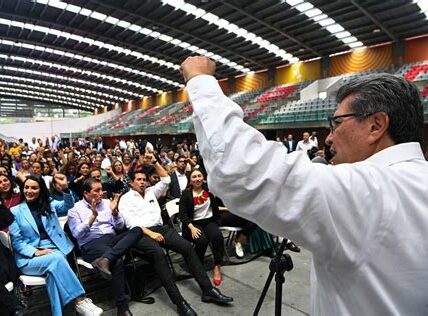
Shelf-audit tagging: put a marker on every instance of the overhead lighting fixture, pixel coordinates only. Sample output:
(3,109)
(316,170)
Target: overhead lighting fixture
(23,94)
(85,82)
(56,91)
(229,27)
(326,22)
(86,40)
(211,18)
(88,59)
(78,70)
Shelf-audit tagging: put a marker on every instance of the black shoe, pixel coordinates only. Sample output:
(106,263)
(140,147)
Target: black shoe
(18,311)
(214,295)
(103,266)
(184,309)
(125,312)
(293,247)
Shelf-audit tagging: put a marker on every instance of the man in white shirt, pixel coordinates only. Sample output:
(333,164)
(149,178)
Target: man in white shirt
(139,208)
(364,219)
(305,144)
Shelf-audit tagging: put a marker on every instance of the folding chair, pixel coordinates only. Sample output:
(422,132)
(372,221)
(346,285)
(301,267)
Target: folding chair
(172,207)
(26,280)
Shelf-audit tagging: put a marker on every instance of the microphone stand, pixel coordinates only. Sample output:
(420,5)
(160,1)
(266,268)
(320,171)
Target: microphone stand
(278,265)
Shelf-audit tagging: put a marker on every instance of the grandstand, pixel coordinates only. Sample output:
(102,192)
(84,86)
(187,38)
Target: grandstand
(93,81)
(276,107)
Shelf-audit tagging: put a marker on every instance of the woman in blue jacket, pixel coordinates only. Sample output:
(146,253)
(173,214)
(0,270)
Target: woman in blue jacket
(40,245)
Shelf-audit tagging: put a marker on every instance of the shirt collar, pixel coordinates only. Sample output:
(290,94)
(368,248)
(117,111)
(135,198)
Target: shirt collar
(397,153)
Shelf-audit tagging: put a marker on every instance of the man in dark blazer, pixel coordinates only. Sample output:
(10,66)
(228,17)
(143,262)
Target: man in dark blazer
(290,143)
(178,179)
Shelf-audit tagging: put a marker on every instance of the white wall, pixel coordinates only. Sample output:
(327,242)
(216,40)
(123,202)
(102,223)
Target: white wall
(53,127)
(329,85)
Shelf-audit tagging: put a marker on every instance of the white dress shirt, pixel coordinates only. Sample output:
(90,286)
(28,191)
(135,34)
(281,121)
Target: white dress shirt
(182,180)
(302,146)
(143,211)
(366,223)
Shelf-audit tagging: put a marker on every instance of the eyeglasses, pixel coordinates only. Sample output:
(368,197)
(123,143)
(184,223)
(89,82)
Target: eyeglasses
(334,121)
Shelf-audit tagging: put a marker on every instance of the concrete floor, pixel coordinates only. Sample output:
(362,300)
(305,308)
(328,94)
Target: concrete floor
(244,282)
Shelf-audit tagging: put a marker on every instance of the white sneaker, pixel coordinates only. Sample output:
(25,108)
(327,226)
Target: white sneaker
(239,250)
(87,308)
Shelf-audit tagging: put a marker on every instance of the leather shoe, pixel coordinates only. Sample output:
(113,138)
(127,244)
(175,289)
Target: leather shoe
(103,266)
(125,312)
(214,295)
(293,247)
(19,310)
(184,309)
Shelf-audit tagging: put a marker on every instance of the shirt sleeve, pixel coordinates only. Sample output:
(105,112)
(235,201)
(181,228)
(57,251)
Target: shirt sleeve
(285,194)
(79,228)
(161,188)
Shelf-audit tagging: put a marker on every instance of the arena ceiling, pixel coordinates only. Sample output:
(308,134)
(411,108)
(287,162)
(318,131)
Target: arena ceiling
(95,53)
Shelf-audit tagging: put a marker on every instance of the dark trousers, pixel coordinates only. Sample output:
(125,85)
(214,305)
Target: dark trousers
(113,247)
(8,273)
(173,241)
(232,220)
(210,234)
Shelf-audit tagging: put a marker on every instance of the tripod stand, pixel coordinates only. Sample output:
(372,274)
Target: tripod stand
(278,265)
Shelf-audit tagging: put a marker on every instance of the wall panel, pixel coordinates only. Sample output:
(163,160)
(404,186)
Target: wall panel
(362,59)
(416,50)
(298,72)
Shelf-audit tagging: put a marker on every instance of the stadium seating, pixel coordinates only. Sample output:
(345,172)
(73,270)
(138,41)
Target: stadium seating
(261,107)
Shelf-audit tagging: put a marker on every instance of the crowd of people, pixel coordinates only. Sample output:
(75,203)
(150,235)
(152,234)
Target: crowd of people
(114,199)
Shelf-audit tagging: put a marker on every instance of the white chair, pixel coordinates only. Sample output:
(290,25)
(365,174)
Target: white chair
(232,231)
(62,221)
(172,207)
(9,286)
(27,280)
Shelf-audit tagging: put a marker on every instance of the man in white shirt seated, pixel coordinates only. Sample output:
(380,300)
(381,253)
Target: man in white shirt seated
(139,208)
(364,218)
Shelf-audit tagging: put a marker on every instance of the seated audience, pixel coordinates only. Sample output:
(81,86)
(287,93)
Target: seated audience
(120,173)
(110,186)
(179,178)
(83,172)
(93,222)
(199,215)
(40,246)
(57,193)
(140,208)
(7,195)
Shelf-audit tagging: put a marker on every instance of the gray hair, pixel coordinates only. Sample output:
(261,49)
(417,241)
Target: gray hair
(394,95)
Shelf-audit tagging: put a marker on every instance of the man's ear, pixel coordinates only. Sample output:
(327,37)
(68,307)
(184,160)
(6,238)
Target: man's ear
(379,126)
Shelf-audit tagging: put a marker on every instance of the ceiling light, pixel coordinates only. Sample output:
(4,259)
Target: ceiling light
(326,22)
(313,12)
(334,28)
(98,16)
(209,17)
(123,24)
(342,34)
(304,6)
(293,2)
(350,39)
(355,44)
(111,20)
